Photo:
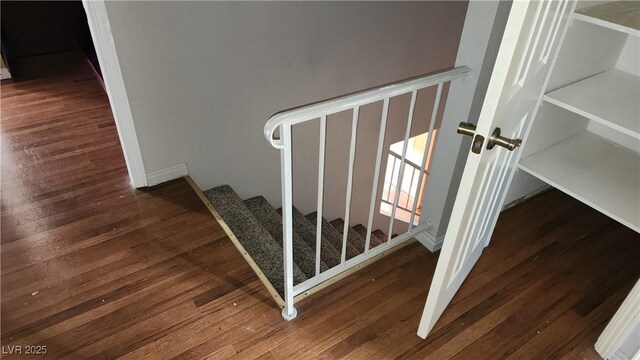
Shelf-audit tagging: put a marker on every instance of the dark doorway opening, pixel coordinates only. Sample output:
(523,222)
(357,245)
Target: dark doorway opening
(52,30)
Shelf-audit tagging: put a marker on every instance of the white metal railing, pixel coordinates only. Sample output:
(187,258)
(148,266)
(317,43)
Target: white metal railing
(284,121)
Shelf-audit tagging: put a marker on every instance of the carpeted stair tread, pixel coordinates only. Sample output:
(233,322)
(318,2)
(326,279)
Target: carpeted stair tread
(307,231)
(303,255)
(333,236)
(257,241)
(352,236)
(380,235)
(362,231)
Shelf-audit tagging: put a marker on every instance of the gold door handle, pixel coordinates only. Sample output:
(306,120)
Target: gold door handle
(470,130)
(506,143)
(466,129)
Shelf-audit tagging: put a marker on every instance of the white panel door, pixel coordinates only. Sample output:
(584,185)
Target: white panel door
(532,36)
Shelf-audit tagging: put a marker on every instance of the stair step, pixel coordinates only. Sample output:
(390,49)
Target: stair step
(303,255)
(353,237)
(362,231)
(333,235)
(380,235)
(307,231)
(257,241)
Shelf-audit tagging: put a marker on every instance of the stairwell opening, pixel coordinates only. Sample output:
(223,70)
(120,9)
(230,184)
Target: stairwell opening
(409,188)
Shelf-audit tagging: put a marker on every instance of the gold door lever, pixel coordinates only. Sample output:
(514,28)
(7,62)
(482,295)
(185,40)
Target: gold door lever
(466,129)
(470,130)
(506,143)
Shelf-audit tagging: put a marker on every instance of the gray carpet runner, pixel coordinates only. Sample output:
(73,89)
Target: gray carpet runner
(375,240)
(303,254)
(380,235)
(307,232)
(263,248)
(258,227)
(353,237)
(333,235)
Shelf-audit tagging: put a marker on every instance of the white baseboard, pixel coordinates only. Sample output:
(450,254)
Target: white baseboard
(5,74)
(430,241)
(169,173)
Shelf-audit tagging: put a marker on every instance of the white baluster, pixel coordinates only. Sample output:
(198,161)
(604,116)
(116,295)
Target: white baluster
(407,133)
(413,175)
(427,147)
(376,172)
(352,158)
(393,173)
(321,153)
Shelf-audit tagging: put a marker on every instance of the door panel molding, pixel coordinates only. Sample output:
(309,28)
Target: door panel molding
(489,172)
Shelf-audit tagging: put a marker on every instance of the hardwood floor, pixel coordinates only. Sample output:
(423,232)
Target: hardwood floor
(92,268)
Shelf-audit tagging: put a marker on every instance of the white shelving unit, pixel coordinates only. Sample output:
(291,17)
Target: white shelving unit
(623,16)
(583,165)
(611,98)
(585,139)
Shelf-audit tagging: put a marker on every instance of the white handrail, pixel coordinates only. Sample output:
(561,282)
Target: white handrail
(347,102)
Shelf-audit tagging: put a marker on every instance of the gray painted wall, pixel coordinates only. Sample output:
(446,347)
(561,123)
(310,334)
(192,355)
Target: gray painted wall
(203,77)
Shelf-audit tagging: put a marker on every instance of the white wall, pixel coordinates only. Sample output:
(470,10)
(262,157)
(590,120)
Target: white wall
(203,77)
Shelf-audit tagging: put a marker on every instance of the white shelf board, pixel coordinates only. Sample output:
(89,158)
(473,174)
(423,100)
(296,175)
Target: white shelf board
(623,16)
(594,171)
(611,98)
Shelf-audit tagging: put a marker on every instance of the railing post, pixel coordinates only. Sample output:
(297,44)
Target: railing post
(288,312)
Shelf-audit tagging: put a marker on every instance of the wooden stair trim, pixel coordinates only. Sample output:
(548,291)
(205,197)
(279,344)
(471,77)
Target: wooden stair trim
(267,284)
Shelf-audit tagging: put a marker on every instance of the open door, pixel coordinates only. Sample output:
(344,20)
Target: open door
(532,37)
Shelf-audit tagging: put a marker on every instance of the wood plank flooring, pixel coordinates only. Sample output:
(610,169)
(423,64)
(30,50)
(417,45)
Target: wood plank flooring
(94,269)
